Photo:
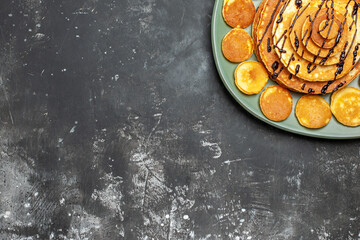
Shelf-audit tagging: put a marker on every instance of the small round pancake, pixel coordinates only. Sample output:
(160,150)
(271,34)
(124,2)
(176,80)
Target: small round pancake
(237,45)
(276,103)
(251,77)
(238,13)
(313,111)
(345,105)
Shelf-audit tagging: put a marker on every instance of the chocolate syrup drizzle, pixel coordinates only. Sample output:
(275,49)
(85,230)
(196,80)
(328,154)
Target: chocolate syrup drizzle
(355,53)
(339,86)
(297,69)
(275,65)
(296,41)
(268,45)
(354,14)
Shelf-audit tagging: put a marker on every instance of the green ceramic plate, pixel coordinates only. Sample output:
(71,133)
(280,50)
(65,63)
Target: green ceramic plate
(334,130)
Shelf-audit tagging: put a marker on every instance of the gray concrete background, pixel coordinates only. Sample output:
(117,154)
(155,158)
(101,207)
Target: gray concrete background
(114,124)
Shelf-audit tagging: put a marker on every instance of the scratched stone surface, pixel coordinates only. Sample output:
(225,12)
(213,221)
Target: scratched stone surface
(114,124)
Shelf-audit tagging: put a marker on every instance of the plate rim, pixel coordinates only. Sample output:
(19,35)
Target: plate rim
(278,125)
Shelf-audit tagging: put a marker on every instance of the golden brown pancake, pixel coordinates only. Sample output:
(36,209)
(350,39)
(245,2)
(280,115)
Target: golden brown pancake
(238,13)
(276,103)
(237,45)
(251,77)
(345,105)
(313,111)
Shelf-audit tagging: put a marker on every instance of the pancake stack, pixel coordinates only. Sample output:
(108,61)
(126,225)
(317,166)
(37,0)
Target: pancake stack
(308,46)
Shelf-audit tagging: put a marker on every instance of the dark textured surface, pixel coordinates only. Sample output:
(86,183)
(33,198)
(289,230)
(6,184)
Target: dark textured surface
(114,124)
